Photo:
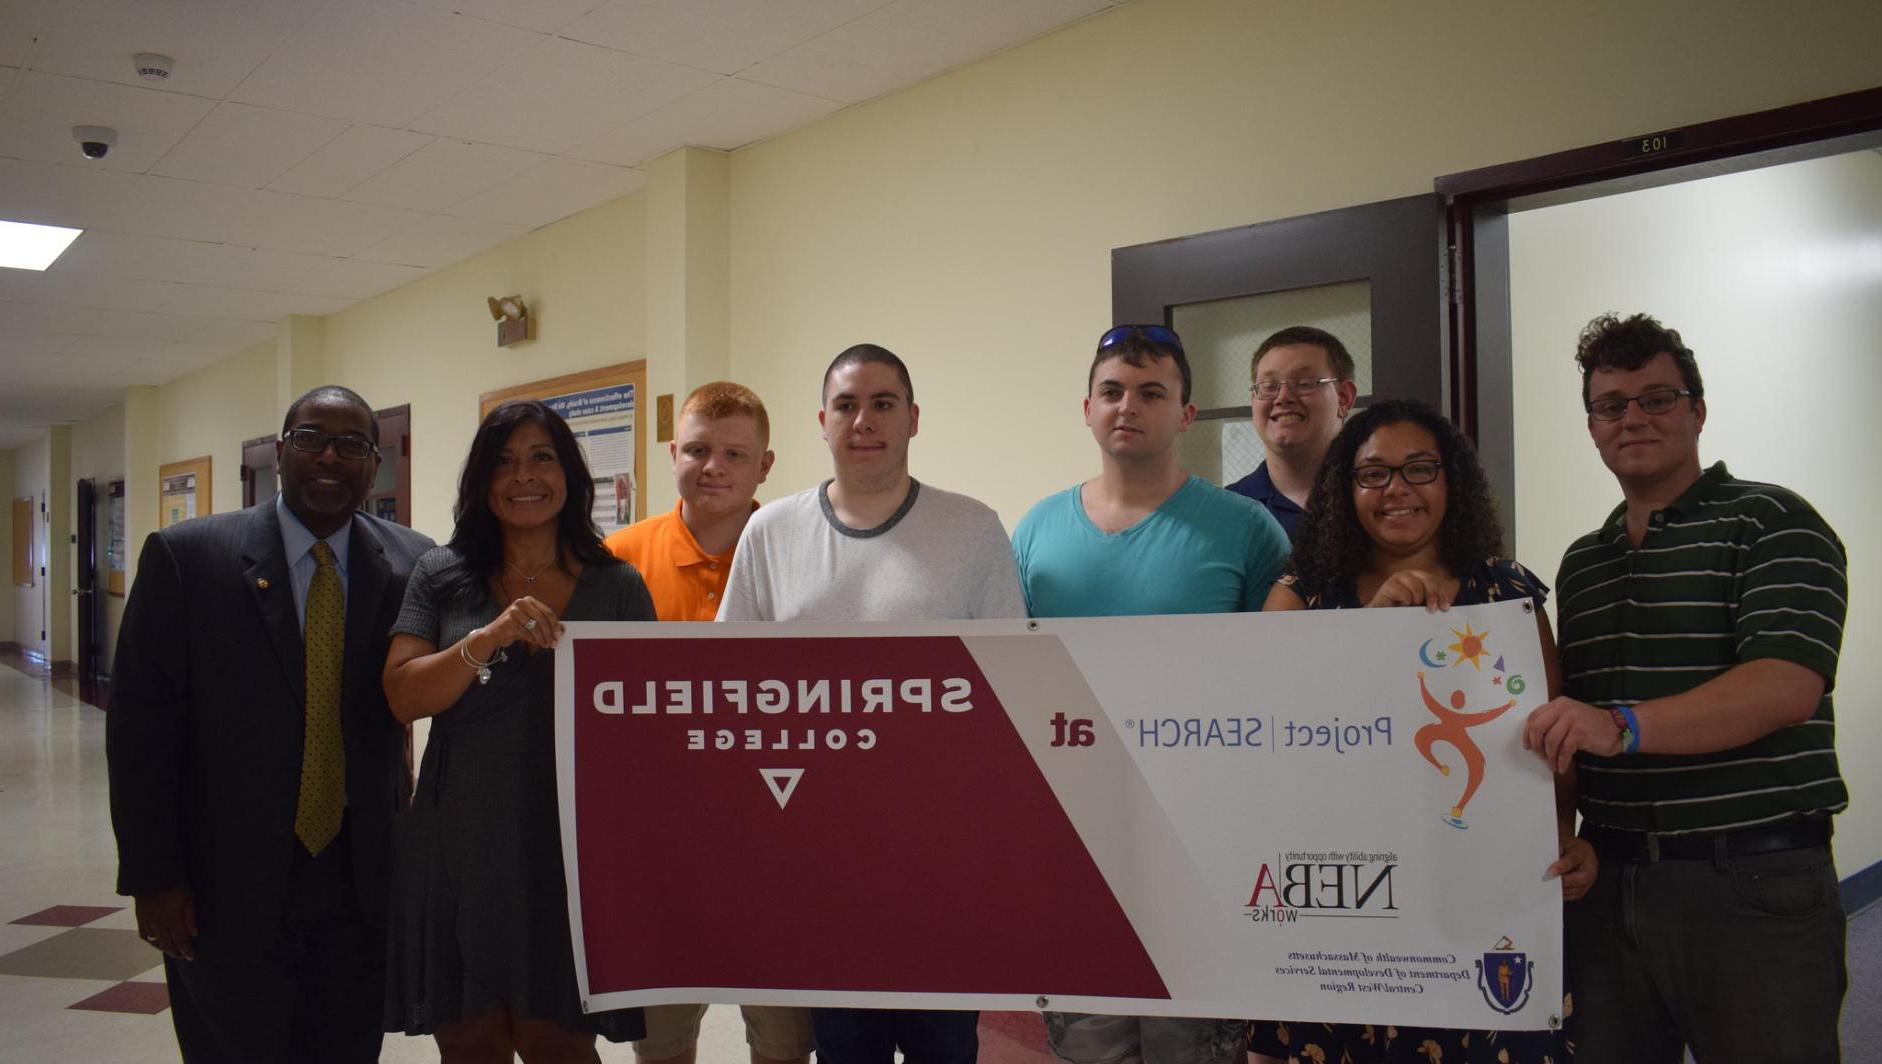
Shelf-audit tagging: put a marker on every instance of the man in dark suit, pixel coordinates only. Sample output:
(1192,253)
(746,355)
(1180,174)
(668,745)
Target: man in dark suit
(255,769)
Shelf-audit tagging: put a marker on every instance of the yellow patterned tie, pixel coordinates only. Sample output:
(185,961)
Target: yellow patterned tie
(323,759)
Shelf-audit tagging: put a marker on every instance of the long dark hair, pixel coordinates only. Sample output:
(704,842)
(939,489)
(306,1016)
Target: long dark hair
(1333,545)
(478,538)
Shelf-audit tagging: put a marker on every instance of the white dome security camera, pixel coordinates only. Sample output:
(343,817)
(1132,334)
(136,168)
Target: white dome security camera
(95,141)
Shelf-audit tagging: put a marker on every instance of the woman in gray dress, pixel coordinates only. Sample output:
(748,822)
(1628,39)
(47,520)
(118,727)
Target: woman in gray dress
(478,937)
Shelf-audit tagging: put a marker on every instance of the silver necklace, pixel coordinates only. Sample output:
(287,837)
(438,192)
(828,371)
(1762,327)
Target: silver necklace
(530,578)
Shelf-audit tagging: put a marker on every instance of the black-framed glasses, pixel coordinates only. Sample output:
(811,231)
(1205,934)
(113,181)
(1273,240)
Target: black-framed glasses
(1156,334)
(1419,471)
(1268,391)
(1657,401)
(348,445)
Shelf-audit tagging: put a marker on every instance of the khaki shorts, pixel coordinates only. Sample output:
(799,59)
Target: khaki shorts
(774,1031)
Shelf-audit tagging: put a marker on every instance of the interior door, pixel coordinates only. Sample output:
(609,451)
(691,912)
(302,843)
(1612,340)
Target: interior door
(1373,275)
(85,586)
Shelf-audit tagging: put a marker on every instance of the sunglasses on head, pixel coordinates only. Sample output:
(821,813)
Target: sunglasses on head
(1156,334)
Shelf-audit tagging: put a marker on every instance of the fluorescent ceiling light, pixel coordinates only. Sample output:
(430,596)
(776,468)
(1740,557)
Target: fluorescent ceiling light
(25,246)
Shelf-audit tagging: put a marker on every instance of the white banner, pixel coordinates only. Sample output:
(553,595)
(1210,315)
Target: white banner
(1320,815)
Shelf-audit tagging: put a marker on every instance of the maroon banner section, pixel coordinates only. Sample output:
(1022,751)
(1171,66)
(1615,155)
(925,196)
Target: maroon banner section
(815,818)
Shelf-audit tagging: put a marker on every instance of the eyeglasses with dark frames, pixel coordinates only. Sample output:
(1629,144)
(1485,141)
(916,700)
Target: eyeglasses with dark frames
(1270,390)
(1657,401)
(1156,334)
(348,445)
(1420,471)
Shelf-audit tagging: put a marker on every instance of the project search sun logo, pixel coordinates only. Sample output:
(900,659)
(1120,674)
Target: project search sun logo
(1455,718)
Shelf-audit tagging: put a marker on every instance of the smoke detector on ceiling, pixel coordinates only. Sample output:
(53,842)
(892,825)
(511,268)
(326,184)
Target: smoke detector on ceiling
(153,67)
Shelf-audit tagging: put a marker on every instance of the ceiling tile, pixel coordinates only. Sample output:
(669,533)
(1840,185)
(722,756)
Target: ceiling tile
(215,43)
(348,159)
(559,94)
(116,202)
(231,333)
(247,146)
(191,262)
(380,63)
(543,16)
(723,36)
(79,365)
(7,76)
(38,114)
(208,301)
(26,23)
(550,191)
(123,352)
(161,206)
(728,114)
(72,290)
(360,279)
(44,319)
(910,40)
(15,344)
(442,173)
(142,257)
(439,240)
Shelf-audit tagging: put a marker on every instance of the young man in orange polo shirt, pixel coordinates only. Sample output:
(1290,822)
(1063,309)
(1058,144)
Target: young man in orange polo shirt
(720,455)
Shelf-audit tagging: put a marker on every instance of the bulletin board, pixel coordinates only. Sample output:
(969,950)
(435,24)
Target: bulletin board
(183,491)
(604,408)
(114,540)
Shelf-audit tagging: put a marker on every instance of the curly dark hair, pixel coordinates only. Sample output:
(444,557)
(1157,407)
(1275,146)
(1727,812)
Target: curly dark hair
(478,538)
(1333,547)
(1611,342)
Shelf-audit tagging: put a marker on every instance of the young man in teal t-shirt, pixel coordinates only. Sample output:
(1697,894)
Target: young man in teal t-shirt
(1144,537)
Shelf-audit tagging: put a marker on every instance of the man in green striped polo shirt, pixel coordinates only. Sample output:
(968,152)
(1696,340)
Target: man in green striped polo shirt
(1700,626)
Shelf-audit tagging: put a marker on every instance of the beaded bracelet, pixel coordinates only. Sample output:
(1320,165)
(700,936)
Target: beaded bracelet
(1629,725)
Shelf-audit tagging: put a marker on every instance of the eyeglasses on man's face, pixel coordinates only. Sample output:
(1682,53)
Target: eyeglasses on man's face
(1657,401)
(348,445)
(1422,471)
(1269,390)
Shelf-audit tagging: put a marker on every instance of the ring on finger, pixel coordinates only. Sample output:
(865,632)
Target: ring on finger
(529,625)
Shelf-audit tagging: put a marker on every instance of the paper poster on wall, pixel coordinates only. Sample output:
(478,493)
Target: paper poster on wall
(179,498)
(603,421)
(183,491)
(114,539)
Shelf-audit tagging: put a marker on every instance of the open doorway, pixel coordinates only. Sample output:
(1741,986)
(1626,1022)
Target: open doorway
(1760,239)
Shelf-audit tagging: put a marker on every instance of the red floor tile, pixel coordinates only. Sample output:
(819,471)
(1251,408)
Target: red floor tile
(146,999)
(68,915)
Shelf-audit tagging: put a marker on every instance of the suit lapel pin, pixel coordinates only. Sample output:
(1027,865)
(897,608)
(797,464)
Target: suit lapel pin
(262,583)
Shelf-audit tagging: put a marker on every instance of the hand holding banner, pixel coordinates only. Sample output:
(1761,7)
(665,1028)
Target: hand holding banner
(1324,815)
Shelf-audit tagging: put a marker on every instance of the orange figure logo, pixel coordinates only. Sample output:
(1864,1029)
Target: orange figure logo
(1452,726)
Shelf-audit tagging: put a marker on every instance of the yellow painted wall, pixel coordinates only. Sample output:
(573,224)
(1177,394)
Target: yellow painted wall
(967,222)
(432,344)
(211,412)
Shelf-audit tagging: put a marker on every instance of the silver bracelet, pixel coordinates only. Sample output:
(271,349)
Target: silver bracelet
(482,667)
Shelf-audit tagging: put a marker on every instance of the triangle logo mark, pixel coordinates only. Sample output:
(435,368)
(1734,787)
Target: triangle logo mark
(782,782)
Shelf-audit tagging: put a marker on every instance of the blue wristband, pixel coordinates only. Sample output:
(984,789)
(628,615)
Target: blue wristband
(1630,734)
